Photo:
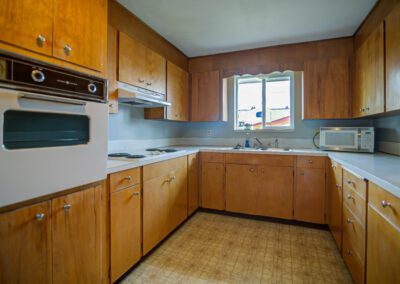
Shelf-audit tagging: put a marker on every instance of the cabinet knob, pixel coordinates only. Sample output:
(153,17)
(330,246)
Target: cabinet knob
(350,197)
(385,204)
(352,183)
(367,108)
(334,167)
(362,109)
(338,186)
(128,178)
(67,207)
(141,80)
(251,170)
(67,49)
(172,178)
(39,216)
(349,221)
(149,83)
(40,40)
(136,194)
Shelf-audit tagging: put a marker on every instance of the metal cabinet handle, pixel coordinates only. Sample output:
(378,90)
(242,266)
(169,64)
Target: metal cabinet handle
(367,108)
(251,170)
(136,194)
(67,49)
(67,206)
(149,83)
(350,197)
(128,178)
(385,204)
(172,178)
(338,186)
(40,40)
(352,183)
(349,221)
(39,216)
(141,80)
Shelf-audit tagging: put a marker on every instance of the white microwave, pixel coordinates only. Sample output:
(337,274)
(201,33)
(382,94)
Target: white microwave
(348,139)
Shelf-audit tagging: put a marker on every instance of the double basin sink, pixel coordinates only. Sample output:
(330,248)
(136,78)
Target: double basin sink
(263,149)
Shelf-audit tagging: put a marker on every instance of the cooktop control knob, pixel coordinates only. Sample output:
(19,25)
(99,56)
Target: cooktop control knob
(92,88)
(38,76)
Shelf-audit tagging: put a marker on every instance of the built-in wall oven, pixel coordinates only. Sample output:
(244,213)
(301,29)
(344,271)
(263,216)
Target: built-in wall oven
(53,129)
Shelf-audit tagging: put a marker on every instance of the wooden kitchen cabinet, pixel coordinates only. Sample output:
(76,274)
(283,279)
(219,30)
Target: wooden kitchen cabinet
(212,185)
(140,66)
(369,89)
(207,97)
(309,195)
(78,237)
(392,57)
(125,232)
(27,24)
(335,200)
(164,200)
(193,183)
(326,92)
(25,246)
(383,240)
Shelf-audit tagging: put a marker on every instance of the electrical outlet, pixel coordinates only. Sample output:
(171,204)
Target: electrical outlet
(209,132)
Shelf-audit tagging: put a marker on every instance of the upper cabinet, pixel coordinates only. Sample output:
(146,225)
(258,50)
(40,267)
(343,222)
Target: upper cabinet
(80,32)
(326,89)
(208,99)
(392,26)
(27,24)
(140,66)
(72,31)
(369,89)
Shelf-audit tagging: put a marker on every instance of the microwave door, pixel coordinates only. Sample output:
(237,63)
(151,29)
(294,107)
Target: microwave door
(343,140)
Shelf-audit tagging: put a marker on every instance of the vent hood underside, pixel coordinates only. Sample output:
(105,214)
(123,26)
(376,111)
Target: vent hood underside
(138,97)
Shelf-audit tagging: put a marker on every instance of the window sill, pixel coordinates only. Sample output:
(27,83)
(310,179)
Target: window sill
(265,130)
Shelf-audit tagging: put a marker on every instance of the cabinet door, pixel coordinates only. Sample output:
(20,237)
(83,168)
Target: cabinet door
(383,249)
(206,96)
(326,89)
(155,211)
(241,188)
(76,247)
(132,61)
(275,192)
(392,32)
(156,73)
(80,32)
(25,252)
(125,233)
(309,195)
(178,202)
(177,93)
(27,24)
(335,202)
(193,183)
(369,90)
(212,186)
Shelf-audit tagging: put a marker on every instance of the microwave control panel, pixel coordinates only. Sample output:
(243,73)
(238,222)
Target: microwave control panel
(367,140)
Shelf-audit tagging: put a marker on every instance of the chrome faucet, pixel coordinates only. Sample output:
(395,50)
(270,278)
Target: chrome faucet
(276,143)
(260,144)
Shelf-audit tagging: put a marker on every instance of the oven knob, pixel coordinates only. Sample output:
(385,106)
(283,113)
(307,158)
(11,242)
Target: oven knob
(37,76)
(92,88)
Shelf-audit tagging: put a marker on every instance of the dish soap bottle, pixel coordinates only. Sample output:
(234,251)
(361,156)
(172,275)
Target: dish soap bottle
(247,142)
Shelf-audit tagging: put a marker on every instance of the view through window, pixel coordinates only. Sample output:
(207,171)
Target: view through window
(264,102)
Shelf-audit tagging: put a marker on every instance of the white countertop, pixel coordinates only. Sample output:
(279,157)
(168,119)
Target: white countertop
(381,169)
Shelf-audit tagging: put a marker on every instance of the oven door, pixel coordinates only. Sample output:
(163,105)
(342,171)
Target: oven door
(339,139)
(49,144)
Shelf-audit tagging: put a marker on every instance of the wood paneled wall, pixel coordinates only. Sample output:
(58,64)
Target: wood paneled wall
(124,21)
(268,59)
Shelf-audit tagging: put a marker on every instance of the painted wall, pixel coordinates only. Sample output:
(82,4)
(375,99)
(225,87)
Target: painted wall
(388,128)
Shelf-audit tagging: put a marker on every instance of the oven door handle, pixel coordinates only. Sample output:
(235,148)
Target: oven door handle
(39,97)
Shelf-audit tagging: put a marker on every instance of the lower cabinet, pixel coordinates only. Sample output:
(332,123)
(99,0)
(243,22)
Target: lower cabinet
(193,183)
(309,193)
(212,185)
(125,230)
(335,203)
(25,246)
(164,200)
(62,240)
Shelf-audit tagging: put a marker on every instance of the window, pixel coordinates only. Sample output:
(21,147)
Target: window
(264,102)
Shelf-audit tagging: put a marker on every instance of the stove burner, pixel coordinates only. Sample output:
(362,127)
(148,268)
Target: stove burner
(169,150)
(135,156)
(118,155)
(153,150)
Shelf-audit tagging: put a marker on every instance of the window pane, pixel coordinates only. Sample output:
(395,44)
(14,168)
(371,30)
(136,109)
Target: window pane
(277,103)
(249,103)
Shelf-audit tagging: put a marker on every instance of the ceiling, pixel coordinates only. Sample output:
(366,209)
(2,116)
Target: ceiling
(203,27)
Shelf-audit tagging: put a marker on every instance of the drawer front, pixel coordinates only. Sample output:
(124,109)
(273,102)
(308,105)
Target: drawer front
(260,159)
(355,182)
(212,157)
(311,162)
(355,203)
(124,179)
(385,203)
(354,232)
(165,168)
(355,265)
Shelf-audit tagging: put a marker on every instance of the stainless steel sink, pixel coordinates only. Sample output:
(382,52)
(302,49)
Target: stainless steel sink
(264,149)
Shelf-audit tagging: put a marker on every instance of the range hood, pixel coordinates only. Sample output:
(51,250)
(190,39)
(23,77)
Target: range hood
(139,97)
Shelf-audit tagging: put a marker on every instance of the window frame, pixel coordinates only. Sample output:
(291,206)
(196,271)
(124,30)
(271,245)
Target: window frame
(267,77)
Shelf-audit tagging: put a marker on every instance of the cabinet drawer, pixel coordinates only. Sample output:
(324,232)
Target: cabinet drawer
(165,168)
(310,162)
(385,203)
(124,179)
(354,232)
(212,157)
(355,203)
(355,265)
(260,159)
(355,182)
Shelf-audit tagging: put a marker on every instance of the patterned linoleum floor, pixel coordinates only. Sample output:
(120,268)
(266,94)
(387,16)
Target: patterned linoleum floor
(212,248)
